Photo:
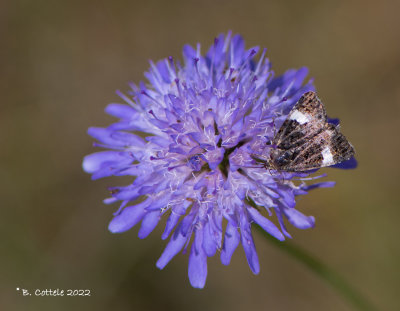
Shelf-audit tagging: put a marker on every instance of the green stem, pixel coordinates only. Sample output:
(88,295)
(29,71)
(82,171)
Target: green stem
(323,271)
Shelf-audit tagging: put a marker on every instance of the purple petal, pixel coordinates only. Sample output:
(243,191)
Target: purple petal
(159,203)
(333,121)
(128,193)
(248,245)
(129,217)
(299,77)
(163,70)
(103,135)
(174,246)
(106,172)
(287,197)
(197,262)
(176,213)
(326,184)
(160,141)
(290,80)
(203,182)
(95,161)
(171,223)
(209,243)
(149,222)
(298,219)
(216,51)
(231,241)
(250,251)
(187,222)
(189,53)
(237,51)
(121,111)
(127,138)
(349,164)
(266,224)
(281,223)
(215,157)
(195,163)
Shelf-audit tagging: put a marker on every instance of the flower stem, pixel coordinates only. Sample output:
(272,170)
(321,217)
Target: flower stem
(324,272)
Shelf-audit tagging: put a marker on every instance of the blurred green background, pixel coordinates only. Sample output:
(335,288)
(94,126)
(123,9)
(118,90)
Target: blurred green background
(61,62)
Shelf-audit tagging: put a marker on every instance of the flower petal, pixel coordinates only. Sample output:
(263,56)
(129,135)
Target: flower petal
(281,223)
(298,219)
(176,212)
(325,184)
(346,165)
(231,242)
(149,222)
(171,223)
(333,121)
(209,243)
(129,217)
(121,111)
(266,224)
(197,262)
(250,251)
(95,161)
(173,247)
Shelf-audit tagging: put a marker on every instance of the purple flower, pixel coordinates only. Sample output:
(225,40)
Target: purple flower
(187,136)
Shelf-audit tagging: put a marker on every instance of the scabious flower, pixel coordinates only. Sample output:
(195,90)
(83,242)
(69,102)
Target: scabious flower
(188,136)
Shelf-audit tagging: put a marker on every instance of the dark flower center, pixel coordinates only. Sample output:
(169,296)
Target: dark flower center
(224,165)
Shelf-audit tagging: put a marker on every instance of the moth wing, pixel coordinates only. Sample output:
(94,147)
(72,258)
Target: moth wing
(306,120)
(341,148)
(307,116)
(308,108)
(327,148)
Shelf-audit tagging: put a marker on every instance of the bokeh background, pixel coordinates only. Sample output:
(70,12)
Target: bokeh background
(60,64)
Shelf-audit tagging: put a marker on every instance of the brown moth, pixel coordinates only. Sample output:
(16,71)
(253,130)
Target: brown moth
(306,141)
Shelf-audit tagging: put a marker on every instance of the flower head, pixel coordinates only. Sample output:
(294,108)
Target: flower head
(200,122)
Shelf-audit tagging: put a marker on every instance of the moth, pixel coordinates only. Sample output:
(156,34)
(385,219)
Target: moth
(306,140)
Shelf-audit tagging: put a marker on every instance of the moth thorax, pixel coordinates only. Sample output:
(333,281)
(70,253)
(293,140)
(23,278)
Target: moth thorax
(280,159)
